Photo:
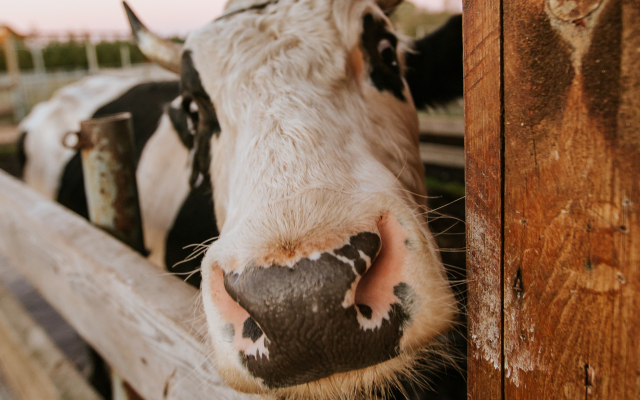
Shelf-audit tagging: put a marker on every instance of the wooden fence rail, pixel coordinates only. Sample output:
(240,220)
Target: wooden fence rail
(142,320)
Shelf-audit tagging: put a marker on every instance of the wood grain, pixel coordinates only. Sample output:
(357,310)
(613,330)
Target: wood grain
(483,135)
(26,378)
(572,202)
(38,351)
(142,320)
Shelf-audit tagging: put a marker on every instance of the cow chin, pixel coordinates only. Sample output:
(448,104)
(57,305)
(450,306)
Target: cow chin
(389,311)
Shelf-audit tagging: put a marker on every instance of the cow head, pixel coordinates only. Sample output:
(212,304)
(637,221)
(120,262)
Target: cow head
(325,281)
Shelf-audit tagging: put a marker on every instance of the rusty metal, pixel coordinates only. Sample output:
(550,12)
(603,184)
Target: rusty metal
(107,149)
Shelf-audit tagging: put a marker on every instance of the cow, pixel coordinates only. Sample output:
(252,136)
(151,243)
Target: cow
(325,281)
(55,171)
(293,133)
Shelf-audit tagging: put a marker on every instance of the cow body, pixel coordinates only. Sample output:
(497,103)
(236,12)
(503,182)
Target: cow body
(174,217)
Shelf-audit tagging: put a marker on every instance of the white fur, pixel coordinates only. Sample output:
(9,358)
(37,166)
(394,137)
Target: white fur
(163,185)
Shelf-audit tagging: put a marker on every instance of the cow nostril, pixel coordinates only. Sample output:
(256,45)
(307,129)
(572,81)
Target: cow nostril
(376,291)
(251,330)
(331,312)
(365,310)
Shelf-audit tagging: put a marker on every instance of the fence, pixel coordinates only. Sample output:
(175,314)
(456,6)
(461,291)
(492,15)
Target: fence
(143,321)
(22,89)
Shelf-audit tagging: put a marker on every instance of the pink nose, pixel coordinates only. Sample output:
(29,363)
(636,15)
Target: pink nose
(332,312)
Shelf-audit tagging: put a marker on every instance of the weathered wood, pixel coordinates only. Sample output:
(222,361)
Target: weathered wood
(92,55)
(143,321)
(438,154)
(483,124)
(58,330)
(441,126)
(27,379)
(572,199)
(5,390)
(40,353)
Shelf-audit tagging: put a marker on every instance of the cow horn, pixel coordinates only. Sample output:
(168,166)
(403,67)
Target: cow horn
(161,51)
(388,5)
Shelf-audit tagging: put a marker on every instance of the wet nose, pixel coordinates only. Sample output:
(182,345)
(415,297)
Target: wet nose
(321,316)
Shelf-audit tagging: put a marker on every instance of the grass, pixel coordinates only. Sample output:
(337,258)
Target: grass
(453,188)
(8,150)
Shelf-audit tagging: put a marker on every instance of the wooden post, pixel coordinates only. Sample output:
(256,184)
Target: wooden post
(108,166)
(38,59)
(125,55)
(92,56)
(483,171)
(13,68)
(569,194)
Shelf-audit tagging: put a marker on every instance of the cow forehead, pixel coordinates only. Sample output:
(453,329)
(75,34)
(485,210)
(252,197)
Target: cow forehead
(282,40)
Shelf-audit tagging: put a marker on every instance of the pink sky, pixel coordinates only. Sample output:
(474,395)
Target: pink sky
(165,16)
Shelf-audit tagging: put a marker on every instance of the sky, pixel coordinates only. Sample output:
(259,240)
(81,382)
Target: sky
(167,17)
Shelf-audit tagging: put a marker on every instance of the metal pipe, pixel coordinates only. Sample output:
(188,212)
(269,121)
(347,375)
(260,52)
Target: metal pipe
(107,149)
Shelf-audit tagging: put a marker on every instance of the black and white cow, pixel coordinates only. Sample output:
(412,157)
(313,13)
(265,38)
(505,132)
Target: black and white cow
(300,119)
(170,206)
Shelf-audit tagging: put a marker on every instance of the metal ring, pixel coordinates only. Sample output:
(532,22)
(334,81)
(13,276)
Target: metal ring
(65,140)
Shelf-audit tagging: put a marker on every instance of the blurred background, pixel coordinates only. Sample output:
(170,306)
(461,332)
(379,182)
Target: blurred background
(46,45)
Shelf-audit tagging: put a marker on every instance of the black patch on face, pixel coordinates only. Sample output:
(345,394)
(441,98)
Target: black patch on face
(368,243)
(379,47)
(146,103)
(207,123)
(180,122)
(404,292)
(434,67)
(310,335)
(251,330)
(229,331)
(195,223)
(21,155)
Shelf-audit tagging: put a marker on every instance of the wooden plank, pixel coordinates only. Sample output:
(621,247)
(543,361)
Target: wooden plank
(438,154)
(142,320)
(26,379)
(5,390)
(58,330)
(572,199)
(441,126)
(483,174)
(8,133)
(31,342)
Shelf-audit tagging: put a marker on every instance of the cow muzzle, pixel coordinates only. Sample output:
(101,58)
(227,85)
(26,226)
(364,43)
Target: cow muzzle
(331,312)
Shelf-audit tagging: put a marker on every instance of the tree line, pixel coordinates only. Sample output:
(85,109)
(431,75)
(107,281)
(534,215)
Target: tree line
(72,54)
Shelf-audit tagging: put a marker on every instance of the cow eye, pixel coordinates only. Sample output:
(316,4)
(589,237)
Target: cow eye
(190,107)
(387,52)
(380,50)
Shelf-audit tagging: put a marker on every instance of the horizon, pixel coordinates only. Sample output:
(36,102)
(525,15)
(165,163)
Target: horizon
(108,16)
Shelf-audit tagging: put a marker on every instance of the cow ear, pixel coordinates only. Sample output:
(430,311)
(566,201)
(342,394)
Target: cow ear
(388,5)
(434,66)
